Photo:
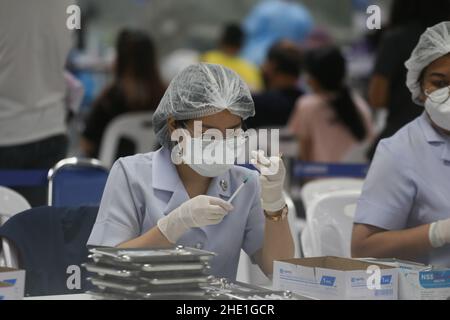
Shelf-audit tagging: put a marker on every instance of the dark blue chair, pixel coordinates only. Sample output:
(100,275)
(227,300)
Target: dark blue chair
(76,182)
(49,242)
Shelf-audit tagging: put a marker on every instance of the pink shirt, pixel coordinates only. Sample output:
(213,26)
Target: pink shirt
(329,141)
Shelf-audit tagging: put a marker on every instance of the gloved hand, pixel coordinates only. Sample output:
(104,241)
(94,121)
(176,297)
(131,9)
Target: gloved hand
(197,212)
(272,177)
(439,233)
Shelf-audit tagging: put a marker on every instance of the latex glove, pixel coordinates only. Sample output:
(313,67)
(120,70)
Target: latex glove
(271,178)
(197,212)
(439,233)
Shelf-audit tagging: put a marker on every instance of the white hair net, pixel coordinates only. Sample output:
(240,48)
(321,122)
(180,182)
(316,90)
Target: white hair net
(200,90)
(433,44)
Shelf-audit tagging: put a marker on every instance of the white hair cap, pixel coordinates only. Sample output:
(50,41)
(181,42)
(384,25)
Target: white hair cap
(201,90)
(433,44)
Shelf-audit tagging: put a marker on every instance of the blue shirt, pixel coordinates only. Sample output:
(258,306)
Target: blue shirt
(408,183)
(271,21)
(143,188)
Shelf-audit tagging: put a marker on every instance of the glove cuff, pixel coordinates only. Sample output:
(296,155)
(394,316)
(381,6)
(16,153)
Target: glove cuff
(170,229)
(273,206)
(434,235)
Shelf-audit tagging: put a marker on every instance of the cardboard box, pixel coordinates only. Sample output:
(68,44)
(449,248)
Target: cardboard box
(419,281)
(333,278)
(12,284)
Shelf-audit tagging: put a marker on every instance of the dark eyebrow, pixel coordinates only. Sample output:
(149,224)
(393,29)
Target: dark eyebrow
(437,74)
(233,127)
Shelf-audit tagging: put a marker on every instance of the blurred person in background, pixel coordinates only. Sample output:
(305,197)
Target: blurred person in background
(404,208)
(34,44)
(137,86)
(227,55)
(387,89)
(271,21)
(281,72)
(330,120)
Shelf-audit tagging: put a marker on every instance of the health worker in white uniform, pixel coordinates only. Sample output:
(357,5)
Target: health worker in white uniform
(164,198)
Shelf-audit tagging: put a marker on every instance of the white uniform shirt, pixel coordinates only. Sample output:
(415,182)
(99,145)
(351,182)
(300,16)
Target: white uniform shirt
(408,183)
(143,188)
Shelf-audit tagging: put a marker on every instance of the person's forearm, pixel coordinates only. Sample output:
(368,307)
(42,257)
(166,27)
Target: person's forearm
(403,244)
(278,244)
(152,238)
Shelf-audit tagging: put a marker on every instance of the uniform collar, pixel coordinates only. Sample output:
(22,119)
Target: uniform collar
(164,173)
(433,137)
(165,177)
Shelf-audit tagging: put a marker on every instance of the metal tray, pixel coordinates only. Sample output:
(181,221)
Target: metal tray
(150,256)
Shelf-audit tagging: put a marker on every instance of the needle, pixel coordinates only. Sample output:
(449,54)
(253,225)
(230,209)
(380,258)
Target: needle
(239,189)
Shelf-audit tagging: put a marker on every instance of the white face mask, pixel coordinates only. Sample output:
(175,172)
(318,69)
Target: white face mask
(438,107)
(212,158)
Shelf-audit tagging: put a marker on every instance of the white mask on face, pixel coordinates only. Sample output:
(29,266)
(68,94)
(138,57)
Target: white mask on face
(212,158)
(438,107)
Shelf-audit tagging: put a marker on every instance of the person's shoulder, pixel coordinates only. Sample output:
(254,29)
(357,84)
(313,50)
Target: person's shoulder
(212,56)
(310,102)
(109,100)
(403,141)
(142,162)
(246,65)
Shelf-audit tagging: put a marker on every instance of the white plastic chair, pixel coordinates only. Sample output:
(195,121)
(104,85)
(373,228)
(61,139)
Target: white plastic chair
(314,189)
(251,273)
(136,126)
(329,228)
(358,153)
(11,203)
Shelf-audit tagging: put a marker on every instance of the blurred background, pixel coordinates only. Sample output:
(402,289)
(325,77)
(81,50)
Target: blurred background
(316,71)
(183,30)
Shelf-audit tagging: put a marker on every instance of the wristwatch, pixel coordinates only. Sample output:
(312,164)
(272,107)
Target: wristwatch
(278,216)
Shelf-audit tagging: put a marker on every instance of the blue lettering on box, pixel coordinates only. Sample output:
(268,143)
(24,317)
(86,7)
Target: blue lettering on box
(10,281)
(435,279)
(282,271)
(386,279)
(327,281)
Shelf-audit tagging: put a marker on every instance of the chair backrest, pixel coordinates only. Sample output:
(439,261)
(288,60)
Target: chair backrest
(252,274)
(11,203)
(294,223)
(76,182)
(329,228)
(358,153)
(316,188)
(51,244)
(9,256)
(135,126)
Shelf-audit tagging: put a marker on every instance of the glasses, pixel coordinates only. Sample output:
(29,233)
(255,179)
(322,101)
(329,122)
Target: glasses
(438,99)
(239,134)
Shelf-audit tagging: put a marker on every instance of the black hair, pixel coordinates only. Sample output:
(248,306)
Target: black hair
(328,66)
(426,13)
(286,58)
(232,35)
(136,56)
